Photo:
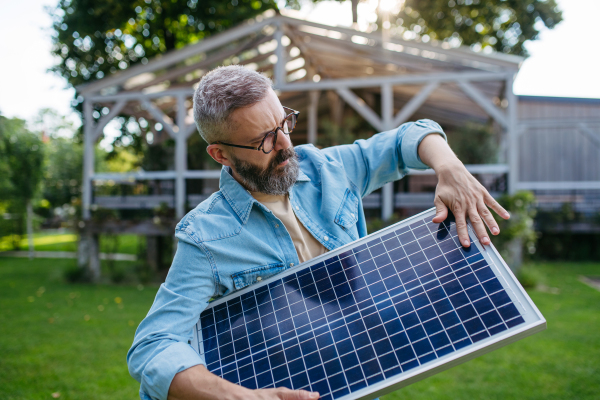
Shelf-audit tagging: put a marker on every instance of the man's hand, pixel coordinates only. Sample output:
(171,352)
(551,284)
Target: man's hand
(284,394)
(459,191)
(197,383)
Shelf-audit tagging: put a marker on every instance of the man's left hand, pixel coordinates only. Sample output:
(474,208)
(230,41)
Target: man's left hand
(460,192)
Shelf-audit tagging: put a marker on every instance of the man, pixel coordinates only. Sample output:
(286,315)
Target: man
(277,206)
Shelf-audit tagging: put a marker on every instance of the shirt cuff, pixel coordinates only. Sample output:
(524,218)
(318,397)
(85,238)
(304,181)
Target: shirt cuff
(159,372)
(413,137)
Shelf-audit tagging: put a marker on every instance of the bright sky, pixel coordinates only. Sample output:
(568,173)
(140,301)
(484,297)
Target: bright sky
(564,62)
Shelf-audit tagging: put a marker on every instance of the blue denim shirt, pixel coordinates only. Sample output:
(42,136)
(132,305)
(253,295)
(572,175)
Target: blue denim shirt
(230,239)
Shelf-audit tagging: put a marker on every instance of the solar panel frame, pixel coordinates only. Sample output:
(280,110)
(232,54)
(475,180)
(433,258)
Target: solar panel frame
(369,342)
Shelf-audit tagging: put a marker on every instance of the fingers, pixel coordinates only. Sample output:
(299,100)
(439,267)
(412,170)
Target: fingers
(461,225)
(494,205)
(488,218)
(287,394)
(478,226)
(441,211)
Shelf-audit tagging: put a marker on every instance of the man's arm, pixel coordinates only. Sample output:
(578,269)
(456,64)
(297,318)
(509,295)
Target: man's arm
(458,190)
(198,383)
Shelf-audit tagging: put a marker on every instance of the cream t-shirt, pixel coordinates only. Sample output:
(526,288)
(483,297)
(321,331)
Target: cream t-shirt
(305,243)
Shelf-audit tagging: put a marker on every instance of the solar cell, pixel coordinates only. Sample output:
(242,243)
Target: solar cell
(358,321)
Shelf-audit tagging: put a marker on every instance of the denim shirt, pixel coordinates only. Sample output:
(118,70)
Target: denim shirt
(230,241)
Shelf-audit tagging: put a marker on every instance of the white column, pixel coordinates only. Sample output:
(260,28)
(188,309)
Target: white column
(180,158)
(513,136)
(279,68)
(387,117)
(88,158)
(313,110)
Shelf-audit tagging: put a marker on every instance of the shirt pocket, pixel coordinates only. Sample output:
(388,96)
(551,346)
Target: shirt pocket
(257,274)
(347,214)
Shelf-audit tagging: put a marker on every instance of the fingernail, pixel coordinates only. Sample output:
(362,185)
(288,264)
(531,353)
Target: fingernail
(506,215)
(495,231)
(485,240)
(466,242)
(314,395)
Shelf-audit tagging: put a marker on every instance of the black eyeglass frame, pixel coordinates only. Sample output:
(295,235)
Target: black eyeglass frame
(273,132)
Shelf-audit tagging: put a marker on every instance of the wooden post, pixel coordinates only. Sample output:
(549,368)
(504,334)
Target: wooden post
(88,158)
(313,111)
(387,117)
(513,137)
(180,158)
(94,260)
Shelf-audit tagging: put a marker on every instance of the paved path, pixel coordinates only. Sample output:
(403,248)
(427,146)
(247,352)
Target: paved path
(67,254)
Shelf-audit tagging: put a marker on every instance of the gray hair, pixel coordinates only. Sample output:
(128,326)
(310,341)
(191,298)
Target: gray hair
(220,92)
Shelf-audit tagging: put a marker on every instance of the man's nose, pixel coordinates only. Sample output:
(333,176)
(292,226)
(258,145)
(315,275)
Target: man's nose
(283,141)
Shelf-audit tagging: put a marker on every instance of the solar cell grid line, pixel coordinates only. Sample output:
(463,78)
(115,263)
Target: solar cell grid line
(370,317)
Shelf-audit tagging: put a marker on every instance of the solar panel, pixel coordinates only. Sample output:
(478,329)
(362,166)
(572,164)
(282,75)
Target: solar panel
(370,317)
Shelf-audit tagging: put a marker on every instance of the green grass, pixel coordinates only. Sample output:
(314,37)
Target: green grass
(48,346)
(67,241)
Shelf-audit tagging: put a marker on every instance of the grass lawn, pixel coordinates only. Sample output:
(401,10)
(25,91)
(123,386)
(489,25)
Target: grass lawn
(67,241)
(73,338)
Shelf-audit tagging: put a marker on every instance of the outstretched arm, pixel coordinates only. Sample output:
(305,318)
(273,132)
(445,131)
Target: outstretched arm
(458,190)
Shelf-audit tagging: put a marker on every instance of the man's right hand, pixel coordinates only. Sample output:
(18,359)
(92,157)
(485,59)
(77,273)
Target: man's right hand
(284,394)
(198,383)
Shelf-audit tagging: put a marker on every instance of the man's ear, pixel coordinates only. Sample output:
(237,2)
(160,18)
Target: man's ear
(218,154)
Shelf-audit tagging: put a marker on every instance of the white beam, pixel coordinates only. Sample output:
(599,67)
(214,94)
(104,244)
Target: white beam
(88,158)
(189,129)
(180,158)
(559,185)
(484,103)
(472,168)
(361,107)
(313,111)
(356,83)
(414,103)
(159,117)
(279,68)
(387,117)
(114,111)
(176,56)
(512,129)
(141,95)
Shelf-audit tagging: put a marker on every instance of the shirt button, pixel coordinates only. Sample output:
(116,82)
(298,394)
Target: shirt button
(259,278)
(326,238)
(297,208)
(352,215)
(276,225)
(291,264)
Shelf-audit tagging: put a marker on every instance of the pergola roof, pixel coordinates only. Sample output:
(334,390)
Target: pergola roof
(319,57)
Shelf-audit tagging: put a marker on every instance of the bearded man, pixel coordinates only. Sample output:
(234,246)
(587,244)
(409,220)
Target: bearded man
(277,206)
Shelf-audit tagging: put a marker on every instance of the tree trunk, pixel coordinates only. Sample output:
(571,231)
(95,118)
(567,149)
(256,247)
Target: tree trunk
(30,229)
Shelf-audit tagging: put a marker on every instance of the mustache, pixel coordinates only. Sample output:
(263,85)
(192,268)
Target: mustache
(282,156)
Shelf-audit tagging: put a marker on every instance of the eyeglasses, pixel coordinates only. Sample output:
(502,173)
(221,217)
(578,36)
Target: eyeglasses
(270,139)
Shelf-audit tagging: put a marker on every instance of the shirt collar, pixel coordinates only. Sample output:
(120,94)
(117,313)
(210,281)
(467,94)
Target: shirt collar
(240,199)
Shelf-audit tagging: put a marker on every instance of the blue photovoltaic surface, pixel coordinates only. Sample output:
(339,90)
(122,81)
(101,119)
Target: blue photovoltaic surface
(364,315)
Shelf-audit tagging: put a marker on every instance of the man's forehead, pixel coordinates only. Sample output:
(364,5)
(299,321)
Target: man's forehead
(258,118)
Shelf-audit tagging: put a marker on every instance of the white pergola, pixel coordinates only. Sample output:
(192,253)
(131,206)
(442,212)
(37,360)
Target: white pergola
(386,81)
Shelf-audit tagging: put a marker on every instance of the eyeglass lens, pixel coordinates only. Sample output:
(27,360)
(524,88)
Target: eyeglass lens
(270,139)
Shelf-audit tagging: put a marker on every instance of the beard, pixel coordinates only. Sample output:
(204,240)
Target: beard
(271,180)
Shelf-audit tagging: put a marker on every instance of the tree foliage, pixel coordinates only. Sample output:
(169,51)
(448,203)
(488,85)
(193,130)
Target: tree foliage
(22,156)
(94,38)
(501,25)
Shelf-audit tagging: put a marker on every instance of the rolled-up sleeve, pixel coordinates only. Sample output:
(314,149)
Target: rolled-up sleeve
(386,156)
(162,343)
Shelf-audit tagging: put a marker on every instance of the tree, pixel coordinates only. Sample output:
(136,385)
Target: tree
(94,38)
(501,25)
(23,156)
